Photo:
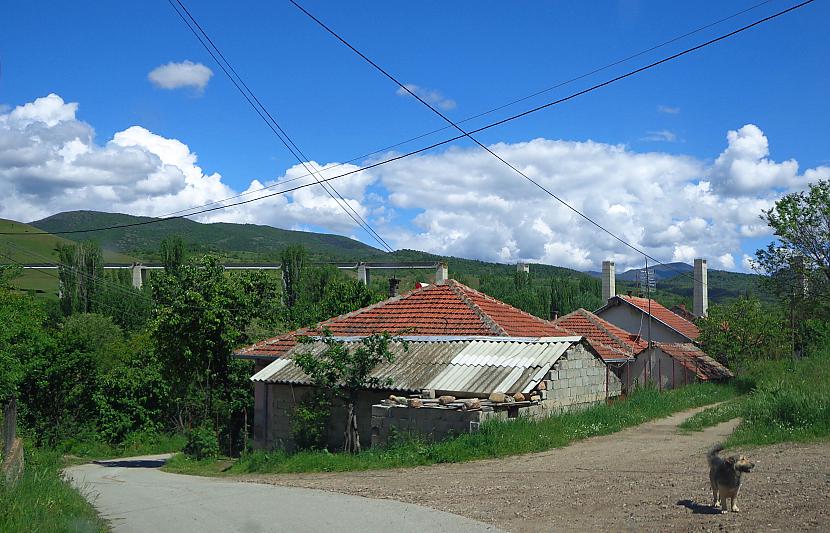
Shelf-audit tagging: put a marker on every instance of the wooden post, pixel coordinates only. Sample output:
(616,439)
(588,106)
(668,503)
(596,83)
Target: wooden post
(9,425)
(673,374)
(606,383)
(659,375)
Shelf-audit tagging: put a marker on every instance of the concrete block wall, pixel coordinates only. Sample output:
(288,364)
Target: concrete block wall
(579,379)
(274,409)
(430,423)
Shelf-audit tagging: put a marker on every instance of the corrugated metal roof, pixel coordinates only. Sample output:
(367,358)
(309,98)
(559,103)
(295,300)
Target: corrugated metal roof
(472,366)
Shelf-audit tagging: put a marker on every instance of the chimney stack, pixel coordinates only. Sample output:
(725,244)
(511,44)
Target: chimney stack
(701,288)
(523,267)
(609,282)
(393,286)
(441,274)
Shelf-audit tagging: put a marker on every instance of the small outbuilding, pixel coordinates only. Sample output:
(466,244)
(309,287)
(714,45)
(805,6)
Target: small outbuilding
(511,376)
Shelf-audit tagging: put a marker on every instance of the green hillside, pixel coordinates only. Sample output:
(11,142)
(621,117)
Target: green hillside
(255,243)
(239,242)
(38,248)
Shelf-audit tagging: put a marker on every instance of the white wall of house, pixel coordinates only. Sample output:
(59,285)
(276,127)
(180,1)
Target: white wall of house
(634,321)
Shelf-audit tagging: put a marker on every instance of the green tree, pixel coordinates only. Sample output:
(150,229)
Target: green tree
(80,269)
(199,317)
(173,253)
(22,337)
(126,305)
(743,330)
(798,263)
(292,261)
(343,373)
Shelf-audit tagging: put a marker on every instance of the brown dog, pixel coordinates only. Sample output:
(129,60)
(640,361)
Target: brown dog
(725,477)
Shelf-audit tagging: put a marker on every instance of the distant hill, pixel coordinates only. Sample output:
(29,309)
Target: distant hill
(250,242)
(661,272)
(38,248)
(233,241)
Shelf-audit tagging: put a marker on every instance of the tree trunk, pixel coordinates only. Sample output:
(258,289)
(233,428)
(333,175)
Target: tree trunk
(352,437)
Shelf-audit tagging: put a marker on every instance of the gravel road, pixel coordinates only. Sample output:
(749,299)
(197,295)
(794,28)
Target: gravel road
(647,478)
(134,496)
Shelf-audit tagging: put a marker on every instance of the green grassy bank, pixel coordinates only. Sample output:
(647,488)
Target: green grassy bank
(497,439)
(42,501)
(790,402)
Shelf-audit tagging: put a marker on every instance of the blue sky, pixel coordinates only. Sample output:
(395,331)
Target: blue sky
(629,150)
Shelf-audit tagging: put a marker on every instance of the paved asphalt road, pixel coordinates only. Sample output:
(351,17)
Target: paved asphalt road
(134,495)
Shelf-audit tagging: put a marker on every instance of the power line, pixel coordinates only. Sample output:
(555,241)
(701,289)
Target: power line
(504,161)
(433,145)
(492,110)
(283,136)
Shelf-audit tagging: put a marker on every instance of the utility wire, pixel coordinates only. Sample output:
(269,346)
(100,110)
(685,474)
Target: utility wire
(489,111)
(284,138)
(504,161)
(433,145)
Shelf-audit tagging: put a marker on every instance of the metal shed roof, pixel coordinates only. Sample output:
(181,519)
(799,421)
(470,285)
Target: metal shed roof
(473,366)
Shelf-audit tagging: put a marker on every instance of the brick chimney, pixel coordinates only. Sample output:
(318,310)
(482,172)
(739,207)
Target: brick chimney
(701,289)
(609,281)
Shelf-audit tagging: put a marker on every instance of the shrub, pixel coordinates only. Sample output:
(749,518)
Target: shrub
(309,425)
(202,443)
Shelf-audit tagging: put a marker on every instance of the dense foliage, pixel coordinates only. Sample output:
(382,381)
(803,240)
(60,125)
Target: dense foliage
(745,330)
(343,372)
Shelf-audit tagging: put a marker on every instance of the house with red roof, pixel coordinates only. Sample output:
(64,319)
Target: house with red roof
(648,318)
(667,364)
(461,343)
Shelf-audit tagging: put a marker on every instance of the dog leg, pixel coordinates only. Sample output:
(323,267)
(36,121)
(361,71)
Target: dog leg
(715,499)
(735,501)
(722,504)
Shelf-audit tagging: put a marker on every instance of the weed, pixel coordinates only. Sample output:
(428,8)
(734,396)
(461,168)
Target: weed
(42,500)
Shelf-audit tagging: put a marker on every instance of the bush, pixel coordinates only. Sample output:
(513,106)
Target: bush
(202,443)
(309,424)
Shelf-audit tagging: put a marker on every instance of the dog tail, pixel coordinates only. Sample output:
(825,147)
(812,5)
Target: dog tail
(712,454)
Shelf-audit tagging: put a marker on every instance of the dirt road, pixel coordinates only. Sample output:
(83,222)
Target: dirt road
(647,478)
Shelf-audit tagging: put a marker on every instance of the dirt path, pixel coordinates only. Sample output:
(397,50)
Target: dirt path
(650,478)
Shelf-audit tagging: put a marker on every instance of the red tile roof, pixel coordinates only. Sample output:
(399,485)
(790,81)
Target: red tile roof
(664,315)
(447,309)
(610,341)
(694,359)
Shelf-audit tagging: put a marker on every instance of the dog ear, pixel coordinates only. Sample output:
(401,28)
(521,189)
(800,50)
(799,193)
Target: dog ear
(731,460)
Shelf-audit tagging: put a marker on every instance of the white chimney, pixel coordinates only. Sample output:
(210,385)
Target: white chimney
(441,273)
(701,290)
(609,282)
(523,267)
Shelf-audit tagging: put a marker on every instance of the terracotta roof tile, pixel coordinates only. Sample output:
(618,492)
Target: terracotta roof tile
(447,309)
(694,359)
(610,341)
(674,321)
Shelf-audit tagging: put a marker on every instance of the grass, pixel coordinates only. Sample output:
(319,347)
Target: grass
(496,439)
(790,402)
(42,501)
(135,444)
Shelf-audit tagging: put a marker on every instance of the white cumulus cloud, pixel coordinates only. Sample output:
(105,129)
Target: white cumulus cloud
(177,75)
(458,202)
(431,96)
